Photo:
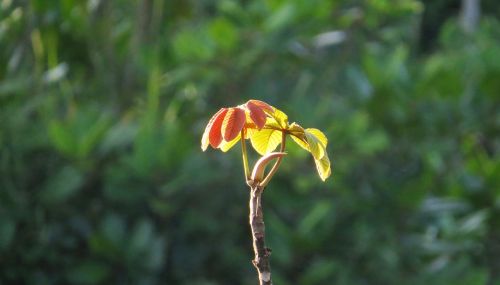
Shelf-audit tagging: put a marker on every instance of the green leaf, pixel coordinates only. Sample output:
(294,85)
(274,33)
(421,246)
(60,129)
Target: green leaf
(194,44)
(319,135)
(298,135)
(223,33)
(301,142)
(315,146)
(266,140)
(225,146)
(281,118)
(323,167)
(62,138)
(92,136)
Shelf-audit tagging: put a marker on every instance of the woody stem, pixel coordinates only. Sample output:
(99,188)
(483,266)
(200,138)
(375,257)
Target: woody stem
(262,253)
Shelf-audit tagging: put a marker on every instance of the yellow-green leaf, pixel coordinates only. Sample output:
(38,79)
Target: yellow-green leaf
(301,142)
(315,146)
(250,132)
(281,118)
(265,140)
(298,135)
(225,146)
(323,167)
(296,129)
(319,135)
(271,123)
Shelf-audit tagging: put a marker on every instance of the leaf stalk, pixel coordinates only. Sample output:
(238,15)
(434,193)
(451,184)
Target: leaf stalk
(245,156)
(273,170)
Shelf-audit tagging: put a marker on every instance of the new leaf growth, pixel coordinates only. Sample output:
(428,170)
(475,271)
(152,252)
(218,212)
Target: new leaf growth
(266,127)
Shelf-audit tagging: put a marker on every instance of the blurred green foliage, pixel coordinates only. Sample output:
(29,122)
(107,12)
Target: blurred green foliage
(102,107)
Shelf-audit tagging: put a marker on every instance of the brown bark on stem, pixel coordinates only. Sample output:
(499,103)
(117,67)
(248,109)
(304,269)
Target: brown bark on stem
(262,253)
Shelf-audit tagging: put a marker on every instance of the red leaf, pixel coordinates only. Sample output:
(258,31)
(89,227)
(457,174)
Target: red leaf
(263,105)
(257,115)
(214,128)
(233,123)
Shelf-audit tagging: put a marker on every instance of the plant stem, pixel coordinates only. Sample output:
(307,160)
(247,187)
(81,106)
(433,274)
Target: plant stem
(262,253)
(277,163)
(245,156)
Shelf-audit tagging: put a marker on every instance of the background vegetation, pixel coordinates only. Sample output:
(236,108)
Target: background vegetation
(103,103)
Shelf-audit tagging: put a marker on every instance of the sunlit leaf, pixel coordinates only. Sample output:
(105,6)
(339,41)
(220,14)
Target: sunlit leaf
(323,167)
(257,115)
(281,118)
(266,140)
(301,142)
(319,135)
(296,129)
(250,132)
(315,146)
(298,135)
(225,146)
(212,134)
(233,123)
(263,105)
(249,123)
(272,124)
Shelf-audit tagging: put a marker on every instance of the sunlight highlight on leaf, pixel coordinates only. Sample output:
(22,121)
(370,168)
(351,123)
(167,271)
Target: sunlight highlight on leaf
(212,134)
(263,105)
(319,135)
(323,167)
(257,115)
(233,123)
(225,146)
(315,145)
(303,144)
(266,140)
(281,118)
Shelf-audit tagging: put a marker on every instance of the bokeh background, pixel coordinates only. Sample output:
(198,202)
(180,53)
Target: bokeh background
(103,103)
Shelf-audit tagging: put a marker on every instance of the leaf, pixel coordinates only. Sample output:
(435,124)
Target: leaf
(315,146)
(272,124)
(250,132)
(225,146)
(263,105)
(298,135)
(211,135)
(301,142)
(319,135)
(296,129)
(62,138)
(265,140)
(281,118)
(233,123)
(93,136)
(257,115)
(323,167)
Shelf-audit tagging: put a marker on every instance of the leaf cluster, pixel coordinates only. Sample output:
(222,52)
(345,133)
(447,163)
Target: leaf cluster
(266,127)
